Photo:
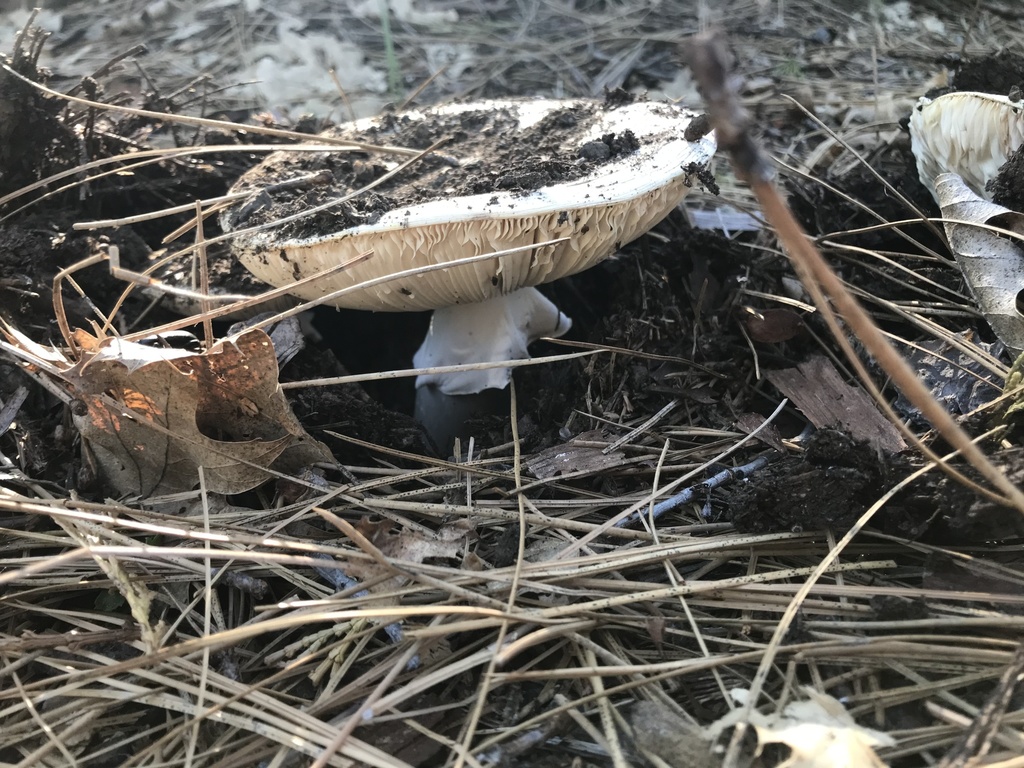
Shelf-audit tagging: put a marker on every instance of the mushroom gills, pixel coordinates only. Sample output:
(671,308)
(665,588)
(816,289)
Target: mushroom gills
(970,134)
(479,333)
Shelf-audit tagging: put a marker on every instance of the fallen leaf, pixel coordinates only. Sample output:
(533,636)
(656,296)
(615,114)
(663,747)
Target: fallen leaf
(993,266)
(150,416)
(574,458)
(406,546)
(414,546)
(818,730)
(773,326)
(955,378)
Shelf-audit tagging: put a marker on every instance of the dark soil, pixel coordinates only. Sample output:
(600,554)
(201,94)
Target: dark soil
(347,409)
(998,73)
(1008,187)
(823,488)
(482,151)
(30,257)
(29,119)
(980,520)
(829,484)
(862,200)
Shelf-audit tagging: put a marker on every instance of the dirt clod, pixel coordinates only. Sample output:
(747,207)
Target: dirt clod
(998,73)
(481,151)
(823,488)
(1008,186)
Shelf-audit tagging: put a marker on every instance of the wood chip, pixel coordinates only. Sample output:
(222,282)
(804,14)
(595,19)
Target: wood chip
(816,388)
(573,458)
(748,422)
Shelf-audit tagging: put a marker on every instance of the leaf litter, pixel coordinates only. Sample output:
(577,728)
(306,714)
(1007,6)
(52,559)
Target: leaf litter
(150,417)
(681,615)
(993,265)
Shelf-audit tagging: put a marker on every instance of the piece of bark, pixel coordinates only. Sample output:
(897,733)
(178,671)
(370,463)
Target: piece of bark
(816,388)
(748,422)
(572,458)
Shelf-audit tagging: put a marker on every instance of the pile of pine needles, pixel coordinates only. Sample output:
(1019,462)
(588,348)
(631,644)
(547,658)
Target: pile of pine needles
(503,617)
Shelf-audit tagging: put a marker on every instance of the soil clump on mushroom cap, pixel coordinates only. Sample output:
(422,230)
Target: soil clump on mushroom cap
(481,151)
(998,73)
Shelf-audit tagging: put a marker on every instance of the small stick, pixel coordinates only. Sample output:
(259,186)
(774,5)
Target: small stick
(689,494)
(204,277)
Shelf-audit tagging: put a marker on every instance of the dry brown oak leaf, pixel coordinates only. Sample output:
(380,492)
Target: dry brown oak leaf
(150,417)
(992,264)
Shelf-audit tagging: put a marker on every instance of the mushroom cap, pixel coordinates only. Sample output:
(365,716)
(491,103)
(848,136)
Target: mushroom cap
(601,201)
(970,134)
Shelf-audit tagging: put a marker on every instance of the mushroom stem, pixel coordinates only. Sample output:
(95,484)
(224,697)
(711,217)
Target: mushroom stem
(444,417)
(488,331)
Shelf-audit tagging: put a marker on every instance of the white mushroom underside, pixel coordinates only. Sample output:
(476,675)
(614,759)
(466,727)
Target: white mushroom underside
(592,234)
(615,202)
(970,134)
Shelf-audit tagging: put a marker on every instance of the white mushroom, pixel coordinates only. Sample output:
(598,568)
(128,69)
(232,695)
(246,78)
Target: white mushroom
(967,133)
(487,310)
(493,329)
